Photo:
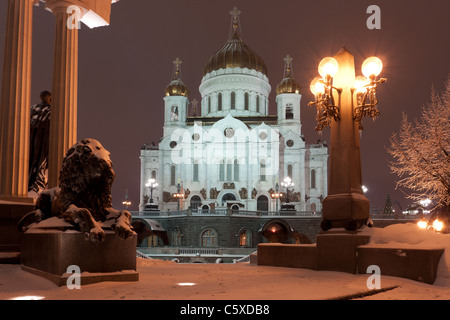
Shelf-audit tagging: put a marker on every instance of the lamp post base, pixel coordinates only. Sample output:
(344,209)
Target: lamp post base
(348,210)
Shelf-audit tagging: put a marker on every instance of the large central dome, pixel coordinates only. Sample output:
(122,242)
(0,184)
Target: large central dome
(235,54)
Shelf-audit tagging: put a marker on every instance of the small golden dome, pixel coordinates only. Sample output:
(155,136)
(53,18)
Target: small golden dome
(176,87)
(288,84)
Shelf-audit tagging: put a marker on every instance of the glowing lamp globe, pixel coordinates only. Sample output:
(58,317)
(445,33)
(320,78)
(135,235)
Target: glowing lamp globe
(316,86)
(372,67)
(360,84)
(328,67)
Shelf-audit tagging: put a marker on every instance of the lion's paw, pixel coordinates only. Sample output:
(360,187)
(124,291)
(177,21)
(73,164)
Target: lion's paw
(124,231)
(96,234)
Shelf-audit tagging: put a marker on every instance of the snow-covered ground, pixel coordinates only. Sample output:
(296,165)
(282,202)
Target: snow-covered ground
(164,279)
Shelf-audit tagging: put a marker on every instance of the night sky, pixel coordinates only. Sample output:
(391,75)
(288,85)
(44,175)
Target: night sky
(124,68)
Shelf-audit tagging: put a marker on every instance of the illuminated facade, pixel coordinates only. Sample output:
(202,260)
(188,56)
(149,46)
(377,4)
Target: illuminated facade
(231,153)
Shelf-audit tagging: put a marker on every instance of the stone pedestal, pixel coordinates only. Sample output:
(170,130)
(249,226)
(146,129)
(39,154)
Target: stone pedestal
(48,253)
(337,251)
(416,264)
(10,215)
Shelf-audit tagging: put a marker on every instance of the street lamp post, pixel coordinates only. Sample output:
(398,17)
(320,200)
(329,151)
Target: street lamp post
(151,184)
(342,101)
(276,195)
(287,183)
(126,202)
(178,195)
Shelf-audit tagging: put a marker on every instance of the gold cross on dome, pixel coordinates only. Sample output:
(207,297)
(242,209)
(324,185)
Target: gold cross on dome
(235,14)
(288,65)
(288,60)
(177,63)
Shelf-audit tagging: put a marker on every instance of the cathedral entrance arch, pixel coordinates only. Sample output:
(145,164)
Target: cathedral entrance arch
(195,202)
(262,203)
(228,197)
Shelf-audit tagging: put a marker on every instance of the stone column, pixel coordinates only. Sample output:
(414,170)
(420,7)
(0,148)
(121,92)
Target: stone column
(63,125)
(345,202)
(15,102)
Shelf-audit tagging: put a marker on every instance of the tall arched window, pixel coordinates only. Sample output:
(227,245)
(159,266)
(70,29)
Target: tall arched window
(195,171)
(233,100)
(209,238)
(289,170)
(222,170)
(209,104)
(176,237)
(246,102)
(262,170)
(229,170)
(257,103)
(219,102)
(245,238)
(236,170)
(313,179)
(289,111)
(172,175)
(154,174)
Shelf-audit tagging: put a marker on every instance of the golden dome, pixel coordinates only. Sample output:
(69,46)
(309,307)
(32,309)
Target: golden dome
(235,54)
(288,84)
(176,87)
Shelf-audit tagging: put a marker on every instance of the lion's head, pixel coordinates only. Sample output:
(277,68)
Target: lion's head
(86,178)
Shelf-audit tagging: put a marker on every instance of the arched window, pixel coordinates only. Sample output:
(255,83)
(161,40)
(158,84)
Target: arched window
(257,103)
(172,175)
(262,170)
(209,238)
(209,104)
(195,171)
(245,238)
(176,237)
(222,170)
(233,100)
(289,170)
(262,203)
(289,111)
(313,207)
(154,174)
(219,102)
(229,170)
(246,98)
(236,170)
(313,179)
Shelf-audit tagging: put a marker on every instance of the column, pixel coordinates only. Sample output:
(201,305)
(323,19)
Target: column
(15,102)
(345,201)
(63,125)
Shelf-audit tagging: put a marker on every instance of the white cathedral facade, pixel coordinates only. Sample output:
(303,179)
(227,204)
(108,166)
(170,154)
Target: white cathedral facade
(231,153)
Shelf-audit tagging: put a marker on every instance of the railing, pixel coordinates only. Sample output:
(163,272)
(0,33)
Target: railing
(244,259)
(226,212)
(141,255)
(198,251)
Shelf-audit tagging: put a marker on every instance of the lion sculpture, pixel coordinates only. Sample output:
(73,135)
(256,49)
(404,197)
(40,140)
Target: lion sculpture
(83,197)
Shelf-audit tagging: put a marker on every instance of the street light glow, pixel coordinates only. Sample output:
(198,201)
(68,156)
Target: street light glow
(372,67)
(328,67)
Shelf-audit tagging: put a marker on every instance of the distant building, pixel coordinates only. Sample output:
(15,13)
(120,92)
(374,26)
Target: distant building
(219,167)
(232,153)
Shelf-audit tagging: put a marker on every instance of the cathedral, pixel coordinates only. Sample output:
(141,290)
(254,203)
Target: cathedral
(229,153)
